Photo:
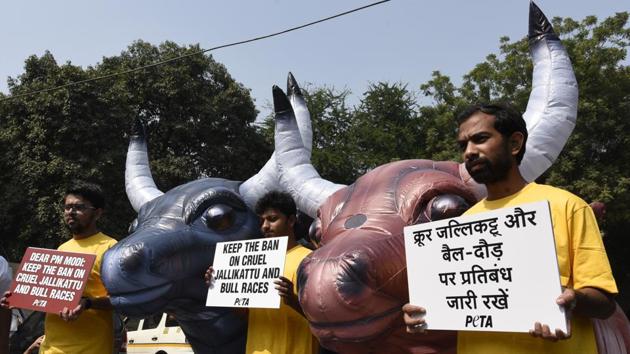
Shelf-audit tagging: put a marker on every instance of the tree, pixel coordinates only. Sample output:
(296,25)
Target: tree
(594,162)
(384,126)
(200,124)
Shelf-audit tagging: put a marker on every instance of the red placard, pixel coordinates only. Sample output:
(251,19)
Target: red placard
(49,280)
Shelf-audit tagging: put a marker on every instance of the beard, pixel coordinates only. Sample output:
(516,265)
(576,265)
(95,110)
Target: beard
(484,171)
(77,226)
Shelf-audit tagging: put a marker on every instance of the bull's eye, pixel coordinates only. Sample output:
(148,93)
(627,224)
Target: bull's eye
(219,217)
(446,206)
(133,226)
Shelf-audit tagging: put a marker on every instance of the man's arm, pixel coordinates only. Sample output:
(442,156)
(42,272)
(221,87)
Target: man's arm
(98,303)
(86,303)
(588,302)
(590,273)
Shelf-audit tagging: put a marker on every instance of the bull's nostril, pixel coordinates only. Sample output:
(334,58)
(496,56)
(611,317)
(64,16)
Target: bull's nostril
(352,276)
(132,257)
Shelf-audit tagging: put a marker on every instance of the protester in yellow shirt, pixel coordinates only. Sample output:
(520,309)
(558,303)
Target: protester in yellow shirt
(492,139)
(87,328)
(283,330)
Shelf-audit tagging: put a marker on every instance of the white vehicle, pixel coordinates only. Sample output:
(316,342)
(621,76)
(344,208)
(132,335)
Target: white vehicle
(158,334)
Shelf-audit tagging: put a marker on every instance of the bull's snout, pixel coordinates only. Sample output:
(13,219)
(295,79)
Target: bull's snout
(132,257)
(352,275)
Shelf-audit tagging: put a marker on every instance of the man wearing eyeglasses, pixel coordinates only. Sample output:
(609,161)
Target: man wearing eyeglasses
(87,328)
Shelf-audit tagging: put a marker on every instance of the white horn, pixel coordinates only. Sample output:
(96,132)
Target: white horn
(266,179)
(138,180)
(297,174)
(552,108)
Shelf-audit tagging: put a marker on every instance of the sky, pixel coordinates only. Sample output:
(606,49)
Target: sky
(398,41)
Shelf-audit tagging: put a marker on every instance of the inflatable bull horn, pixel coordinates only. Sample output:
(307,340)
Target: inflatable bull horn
(267,179)
(552,108)
(139,183)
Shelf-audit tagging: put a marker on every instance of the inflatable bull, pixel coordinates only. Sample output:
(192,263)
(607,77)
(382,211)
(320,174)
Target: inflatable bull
(160,265)
(353,287)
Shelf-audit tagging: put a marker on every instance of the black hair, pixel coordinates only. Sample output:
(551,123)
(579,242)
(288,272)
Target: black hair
(88,191)
(281,201)
(507,121)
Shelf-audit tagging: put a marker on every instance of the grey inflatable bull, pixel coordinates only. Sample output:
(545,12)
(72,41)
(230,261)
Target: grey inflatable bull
(160,265)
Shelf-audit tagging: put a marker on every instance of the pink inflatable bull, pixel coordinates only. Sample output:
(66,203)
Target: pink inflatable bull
(352,288)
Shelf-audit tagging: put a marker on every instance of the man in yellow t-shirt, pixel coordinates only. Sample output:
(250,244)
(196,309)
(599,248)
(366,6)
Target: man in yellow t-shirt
(87,328)
(283,330)
(492,139)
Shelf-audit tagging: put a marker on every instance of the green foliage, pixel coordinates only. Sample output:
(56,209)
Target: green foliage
(384,126)
(330,120)
(200,124)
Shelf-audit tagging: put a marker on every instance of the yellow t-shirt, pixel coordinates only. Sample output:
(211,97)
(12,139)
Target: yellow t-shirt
(582,263)
(93,331)
(279,331)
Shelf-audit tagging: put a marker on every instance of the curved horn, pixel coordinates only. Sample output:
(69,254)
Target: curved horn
(302,115)
(552,108)
(138,180)
(266,179)
(297,174)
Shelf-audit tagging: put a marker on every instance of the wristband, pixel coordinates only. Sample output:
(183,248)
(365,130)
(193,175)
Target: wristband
(88,303)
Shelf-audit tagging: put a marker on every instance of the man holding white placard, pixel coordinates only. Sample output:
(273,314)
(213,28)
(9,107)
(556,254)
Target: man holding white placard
(283,330)
(492,139)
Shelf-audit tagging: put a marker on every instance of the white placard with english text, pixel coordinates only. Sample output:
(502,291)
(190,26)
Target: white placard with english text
(244,272)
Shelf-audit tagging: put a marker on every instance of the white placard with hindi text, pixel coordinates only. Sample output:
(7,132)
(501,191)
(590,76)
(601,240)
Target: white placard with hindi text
(244,272)
(492,271)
